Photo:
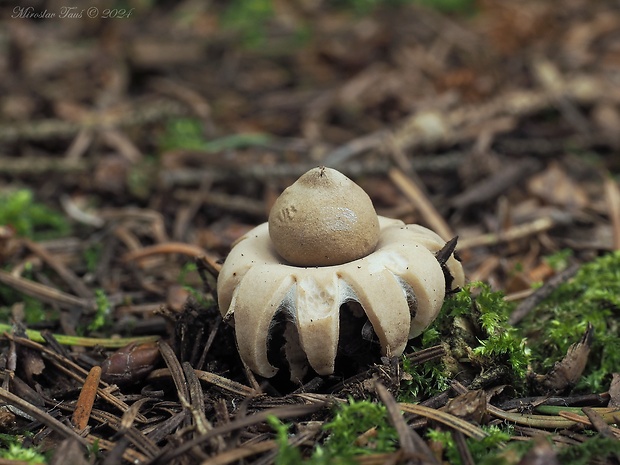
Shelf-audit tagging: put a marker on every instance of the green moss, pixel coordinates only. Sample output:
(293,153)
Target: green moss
(92,256)
(187,134)
(353,419)
(592,296)
(11,449)
(182,133)
(559,261)
(143,177)
(488,451)
(286,453)
(597,449)
(349,421)
(473,325)
(189,269)
(103,313)
(29,218)
(498,343)
(249,18)
(34,311)
(423,381)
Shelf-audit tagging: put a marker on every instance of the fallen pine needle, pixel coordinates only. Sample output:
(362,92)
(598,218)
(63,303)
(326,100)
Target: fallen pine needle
(109,343)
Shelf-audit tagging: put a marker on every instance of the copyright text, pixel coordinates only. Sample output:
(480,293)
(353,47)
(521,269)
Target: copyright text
(71,12)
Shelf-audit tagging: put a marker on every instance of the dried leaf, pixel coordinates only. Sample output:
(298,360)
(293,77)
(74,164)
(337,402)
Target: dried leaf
(567,372)
(471,406)
(555,187)
(614,391)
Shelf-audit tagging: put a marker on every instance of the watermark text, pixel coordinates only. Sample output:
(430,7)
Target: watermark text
(72,12)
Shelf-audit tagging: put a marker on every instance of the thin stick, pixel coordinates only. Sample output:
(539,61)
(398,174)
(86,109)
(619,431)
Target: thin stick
(65,273)
(528,304)
(41,416)
(108,343)
(517,232)
(410,441)
(612,197)
(417,197)
(241,452)
(46,294)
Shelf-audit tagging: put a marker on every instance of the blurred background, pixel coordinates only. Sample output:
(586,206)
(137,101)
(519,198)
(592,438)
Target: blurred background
(182,121)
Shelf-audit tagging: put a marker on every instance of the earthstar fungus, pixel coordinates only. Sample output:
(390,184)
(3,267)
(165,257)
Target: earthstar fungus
(323,246)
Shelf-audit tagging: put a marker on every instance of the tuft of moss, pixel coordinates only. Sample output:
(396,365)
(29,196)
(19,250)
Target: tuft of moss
(187,271)
(423,381)
(12,450)
(473,325)
(102,317)
(250,18)
(591,296)
(31,219)
(349,422)
(597,449)
(353,419)
(188,134)
(489,451)
(286,453)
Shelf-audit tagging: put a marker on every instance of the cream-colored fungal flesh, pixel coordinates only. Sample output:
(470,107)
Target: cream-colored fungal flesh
(255,283)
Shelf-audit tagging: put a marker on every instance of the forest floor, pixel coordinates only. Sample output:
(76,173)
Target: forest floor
(138,143)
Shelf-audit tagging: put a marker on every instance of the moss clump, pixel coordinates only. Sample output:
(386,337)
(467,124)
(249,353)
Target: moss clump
(423,381)
(11,449)
(350,421)
(592,296)
(29,218)
(188,134)
(597,449)
(490,450)
(473,325)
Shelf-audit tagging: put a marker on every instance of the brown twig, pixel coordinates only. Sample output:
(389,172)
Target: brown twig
(516,232)
(494,185)
(410,441)
(65,273)
(290,411)
(241,452)
(417,197)
(41,416)
(139,113)
(46,294)
(447,419)
(164,249)
(529,303)
(74,371)
(612,197)
(599,423)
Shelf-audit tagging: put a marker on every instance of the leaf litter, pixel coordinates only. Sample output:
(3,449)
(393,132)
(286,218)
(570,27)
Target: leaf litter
(134,153)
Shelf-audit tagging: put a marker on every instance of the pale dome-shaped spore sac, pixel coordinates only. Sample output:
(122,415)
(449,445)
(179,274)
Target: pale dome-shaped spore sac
(323,219)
